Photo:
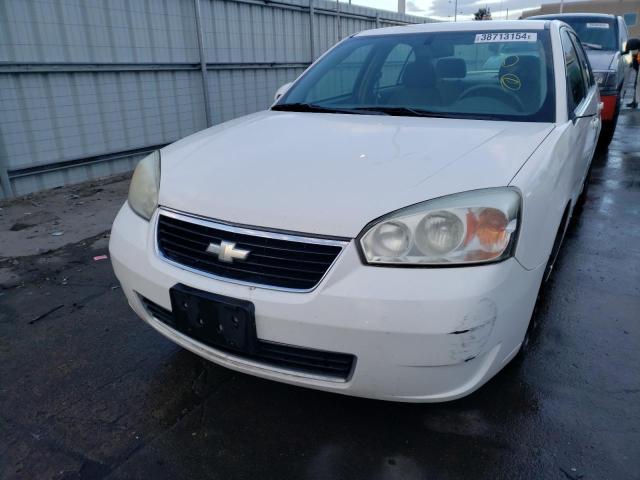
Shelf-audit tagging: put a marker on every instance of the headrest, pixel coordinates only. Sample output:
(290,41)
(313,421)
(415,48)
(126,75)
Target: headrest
(451,67)
(442,48)
(419,74)
(519,71)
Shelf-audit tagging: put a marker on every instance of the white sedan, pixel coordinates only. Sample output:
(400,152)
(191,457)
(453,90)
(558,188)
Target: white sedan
(384,228)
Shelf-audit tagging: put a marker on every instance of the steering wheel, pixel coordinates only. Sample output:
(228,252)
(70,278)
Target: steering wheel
(495,92)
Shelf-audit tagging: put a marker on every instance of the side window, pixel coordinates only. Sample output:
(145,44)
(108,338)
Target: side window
(394,64)
(584,62)
(575,82)
(624,33)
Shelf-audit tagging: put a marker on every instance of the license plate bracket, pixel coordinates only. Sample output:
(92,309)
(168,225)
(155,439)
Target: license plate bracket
(215,320)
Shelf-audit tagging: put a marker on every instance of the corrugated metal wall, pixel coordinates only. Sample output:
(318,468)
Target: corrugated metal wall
(87,87)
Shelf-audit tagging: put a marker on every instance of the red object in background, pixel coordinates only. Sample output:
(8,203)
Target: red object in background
(609,109)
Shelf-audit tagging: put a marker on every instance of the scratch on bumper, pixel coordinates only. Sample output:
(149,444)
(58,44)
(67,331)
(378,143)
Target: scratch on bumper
(471,336)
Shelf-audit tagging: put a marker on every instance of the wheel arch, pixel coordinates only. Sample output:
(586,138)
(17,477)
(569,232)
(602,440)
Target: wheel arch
(557,242)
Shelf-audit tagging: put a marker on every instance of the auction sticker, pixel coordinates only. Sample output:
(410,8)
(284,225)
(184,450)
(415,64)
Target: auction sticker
(490,37)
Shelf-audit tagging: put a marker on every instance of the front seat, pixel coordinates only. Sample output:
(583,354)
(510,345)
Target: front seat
(451,72)
(417,86)
(520,75)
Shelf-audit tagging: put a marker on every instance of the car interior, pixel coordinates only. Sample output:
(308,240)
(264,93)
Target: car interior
(514,81)
(506,78)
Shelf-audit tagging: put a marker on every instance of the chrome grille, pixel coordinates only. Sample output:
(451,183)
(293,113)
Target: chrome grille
(276,260)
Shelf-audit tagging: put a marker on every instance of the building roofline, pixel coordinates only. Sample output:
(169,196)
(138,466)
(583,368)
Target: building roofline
(517,25)
(550,16)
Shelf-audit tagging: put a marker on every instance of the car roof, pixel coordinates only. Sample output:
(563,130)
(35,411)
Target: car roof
(473,26)
(560,16)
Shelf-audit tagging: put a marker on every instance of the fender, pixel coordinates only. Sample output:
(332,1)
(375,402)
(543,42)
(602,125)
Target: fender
(546,184)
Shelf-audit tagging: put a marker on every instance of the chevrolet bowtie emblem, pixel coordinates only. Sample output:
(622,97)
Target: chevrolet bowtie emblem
(227,251)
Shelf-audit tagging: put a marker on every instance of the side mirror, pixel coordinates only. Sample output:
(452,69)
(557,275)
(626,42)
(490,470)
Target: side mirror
(281,91)
(632,44)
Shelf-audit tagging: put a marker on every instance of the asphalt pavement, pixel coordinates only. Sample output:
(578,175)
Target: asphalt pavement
(89,391)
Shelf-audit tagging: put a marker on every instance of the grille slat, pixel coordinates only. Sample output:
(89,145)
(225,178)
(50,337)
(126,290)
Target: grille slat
(160,313)
(216,235)
(276,349)
(273,262)
(207,258)
(202,245)
(295,362)
(228,269)
(297,260)
(306,360)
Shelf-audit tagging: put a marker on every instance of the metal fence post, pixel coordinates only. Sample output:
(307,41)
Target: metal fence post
(339,20)
(5,183)
(312,36)
(203,63)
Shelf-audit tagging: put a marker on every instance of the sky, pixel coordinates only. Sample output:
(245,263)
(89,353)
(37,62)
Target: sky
(443,9)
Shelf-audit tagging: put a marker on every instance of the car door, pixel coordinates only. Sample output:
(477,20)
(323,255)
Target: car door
(626,59)
(592,105)
(582,106)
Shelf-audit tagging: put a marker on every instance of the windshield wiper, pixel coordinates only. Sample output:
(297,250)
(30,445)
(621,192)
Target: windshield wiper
(378,110)
(410,112)
(366,110)
(418,112)
(592,46)
(312,107)
(401,111)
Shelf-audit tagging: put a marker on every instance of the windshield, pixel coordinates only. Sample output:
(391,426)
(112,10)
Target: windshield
(596,33)
(504,75)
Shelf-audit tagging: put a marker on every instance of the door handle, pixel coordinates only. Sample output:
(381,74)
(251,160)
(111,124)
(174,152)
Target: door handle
(594,122)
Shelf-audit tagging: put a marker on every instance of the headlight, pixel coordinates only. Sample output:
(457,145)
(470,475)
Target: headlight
(472,227)
(606,80)
(145,183)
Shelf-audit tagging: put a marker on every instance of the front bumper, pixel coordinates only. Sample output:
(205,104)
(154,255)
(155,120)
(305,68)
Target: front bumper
(420,335)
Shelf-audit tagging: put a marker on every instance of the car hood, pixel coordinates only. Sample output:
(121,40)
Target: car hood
(600,60)
(331,174)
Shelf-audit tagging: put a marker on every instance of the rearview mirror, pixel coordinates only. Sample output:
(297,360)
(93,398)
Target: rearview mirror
(632,44)
(281,91)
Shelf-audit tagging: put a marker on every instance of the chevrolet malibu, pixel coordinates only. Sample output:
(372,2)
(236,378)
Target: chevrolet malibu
(384,228)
